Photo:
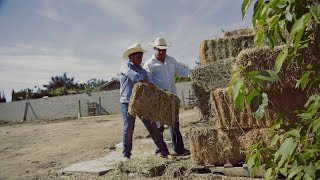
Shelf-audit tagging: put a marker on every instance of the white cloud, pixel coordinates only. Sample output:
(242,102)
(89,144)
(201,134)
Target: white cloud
(49,12)
(25,68)
(123,11)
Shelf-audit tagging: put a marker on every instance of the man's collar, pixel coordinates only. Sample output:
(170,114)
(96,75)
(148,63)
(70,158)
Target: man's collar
(131,63)
(154,57)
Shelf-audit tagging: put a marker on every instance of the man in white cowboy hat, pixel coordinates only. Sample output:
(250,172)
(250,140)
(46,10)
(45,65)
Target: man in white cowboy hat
(131,73)
(161,70)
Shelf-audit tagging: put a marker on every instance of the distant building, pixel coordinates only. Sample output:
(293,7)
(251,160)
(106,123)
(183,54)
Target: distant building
(111,85)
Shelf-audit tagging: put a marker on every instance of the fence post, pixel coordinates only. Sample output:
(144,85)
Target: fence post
(99,106)
(25,112)
(32,110)
(79,110)
(182,97)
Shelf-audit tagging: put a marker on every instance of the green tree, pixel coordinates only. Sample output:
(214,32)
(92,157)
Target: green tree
(58,86)
(61,81)
(295,147)
(178,79)
(94,84)
(2,97)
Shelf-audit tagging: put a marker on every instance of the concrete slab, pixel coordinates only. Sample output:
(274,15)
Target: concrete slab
(235,171)
(141,148)
(96,167)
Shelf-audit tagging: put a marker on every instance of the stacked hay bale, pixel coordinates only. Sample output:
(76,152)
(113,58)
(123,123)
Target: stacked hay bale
(224,48)
(229,117)
(228,133)
(216,141)
(208,77)
(216,57)
(285,98)
(210,145)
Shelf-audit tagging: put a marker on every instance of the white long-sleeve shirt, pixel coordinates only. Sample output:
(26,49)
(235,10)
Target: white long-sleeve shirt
(162,74)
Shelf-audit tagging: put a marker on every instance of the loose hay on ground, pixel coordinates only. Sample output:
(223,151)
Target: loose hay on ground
(147,167)
(154,104)
(223,48)
(179,168)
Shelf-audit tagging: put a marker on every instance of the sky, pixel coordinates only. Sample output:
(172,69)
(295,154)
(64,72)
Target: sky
(86,38)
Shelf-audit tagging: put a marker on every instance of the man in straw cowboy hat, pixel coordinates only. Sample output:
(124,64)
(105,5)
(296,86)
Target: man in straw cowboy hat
(161,70)
(131,73)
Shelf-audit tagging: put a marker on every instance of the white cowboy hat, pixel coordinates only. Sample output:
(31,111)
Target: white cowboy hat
(133,49)
(160,43)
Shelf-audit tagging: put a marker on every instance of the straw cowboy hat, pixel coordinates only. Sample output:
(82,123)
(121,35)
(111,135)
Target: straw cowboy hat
(160,43)
(133,49)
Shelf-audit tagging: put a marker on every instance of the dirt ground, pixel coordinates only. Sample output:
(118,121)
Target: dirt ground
(40,150)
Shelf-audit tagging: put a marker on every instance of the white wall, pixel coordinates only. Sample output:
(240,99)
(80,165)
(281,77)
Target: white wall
(68,106)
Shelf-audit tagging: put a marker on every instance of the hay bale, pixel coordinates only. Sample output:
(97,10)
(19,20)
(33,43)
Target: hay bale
(283,95)
(229,117)
(209,77)
(223,48)
(212,146)
(221,103)
(213,76)
(202,99)
(239,32)
(254,136)
(154,104)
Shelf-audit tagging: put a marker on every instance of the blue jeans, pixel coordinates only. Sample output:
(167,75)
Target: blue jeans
(128,128)
(176,137)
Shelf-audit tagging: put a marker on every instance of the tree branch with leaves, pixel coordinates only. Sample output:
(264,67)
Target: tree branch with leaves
(294,151)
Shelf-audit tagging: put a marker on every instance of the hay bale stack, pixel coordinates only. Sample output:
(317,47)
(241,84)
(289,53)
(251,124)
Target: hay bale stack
(229,117)
(212,146)
(154,104)
(209,77)
(222,48)
(239,32)
(213,76)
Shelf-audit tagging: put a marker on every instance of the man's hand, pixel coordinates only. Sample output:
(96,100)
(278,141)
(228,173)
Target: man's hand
(143,81)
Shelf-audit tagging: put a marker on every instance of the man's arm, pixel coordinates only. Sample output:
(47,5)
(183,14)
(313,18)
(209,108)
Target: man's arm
(134,76)
(181,70)
(147,67)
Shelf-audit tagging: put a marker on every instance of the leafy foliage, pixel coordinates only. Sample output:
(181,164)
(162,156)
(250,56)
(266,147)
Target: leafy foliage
(178,79)
(61,82)
(58,86)
(2,97)
(295,148)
